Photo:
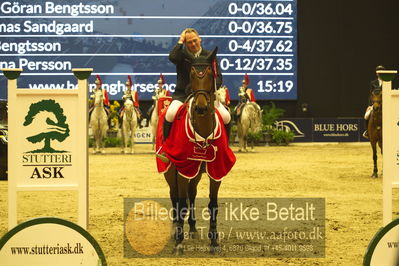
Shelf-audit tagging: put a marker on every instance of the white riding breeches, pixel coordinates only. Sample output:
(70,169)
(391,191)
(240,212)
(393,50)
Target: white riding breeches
(223,112)
(172,110)
(175,105)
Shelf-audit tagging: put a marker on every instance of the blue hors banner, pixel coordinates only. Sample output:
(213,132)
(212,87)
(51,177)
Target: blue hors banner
(324,129)
(118,38)
(341,130)
(304,129)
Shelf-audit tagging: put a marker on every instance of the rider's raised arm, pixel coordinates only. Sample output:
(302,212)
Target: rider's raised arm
(177,55)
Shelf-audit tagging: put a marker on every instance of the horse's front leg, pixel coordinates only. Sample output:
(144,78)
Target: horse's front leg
(102,140)
(95,140)
(192,194)
(375,170)
(213,210)
(133,126)
(98,140)
(240,138)
(125,138)
(181,212)
(171,179)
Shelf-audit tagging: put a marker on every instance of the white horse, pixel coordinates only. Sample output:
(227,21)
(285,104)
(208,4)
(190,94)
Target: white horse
(249,121)
(129,124)
(98,122)
(154,115)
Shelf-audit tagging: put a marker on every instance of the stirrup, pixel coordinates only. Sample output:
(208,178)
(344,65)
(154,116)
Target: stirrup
(162,157)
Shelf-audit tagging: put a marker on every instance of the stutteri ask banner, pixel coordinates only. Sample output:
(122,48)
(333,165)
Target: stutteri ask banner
(47,141)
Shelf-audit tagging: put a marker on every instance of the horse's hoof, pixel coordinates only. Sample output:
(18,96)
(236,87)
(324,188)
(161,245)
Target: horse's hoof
(193,234)
(374,175)
(215,249)
(178,250)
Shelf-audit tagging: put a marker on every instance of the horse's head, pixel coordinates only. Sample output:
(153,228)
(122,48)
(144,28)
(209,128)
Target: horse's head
(98,97)
(159,93)
(128,104)
(221,95)
(376,99)
(202,83)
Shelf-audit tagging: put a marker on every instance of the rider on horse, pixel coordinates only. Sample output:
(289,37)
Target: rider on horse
(245,95)
(159,92)
(189,43)
(106,102)
(133,96)
(375,84)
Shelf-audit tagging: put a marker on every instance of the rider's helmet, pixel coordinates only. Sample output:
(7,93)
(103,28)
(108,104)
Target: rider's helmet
(161,80)
(245,81)
(129,82)
(380,67)
(98,81)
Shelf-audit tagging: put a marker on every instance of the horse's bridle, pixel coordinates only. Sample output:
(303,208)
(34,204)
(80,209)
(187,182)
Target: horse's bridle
(204,92)
(377,112)
(208,96)
(101,99)
(129,112)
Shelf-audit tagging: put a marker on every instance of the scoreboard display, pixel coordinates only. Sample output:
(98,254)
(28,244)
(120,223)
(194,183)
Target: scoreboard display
(133,37)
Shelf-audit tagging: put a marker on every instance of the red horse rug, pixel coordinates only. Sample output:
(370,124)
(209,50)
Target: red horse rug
(187,150)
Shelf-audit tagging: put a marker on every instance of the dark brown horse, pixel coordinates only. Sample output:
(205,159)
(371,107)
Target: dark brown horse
(202,117)
(375,126)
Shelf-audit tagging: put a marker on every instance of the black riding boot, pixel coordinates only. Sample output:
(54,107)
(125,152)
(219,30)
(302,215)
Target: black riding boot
(139,121)
(147,123)
(149,114)
(165,132)
(228,128)
(166,129)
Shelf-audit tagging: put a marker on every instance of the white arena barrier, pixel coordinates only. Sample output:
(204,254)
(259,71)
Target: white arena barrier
(390,136)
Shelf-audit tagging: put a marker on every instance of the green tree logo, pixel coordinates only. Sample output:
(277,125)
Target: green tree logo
(43,113)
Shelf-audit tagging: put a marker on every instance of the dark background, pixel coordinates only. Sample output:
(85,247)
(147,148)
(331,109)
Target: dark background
(340,43)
